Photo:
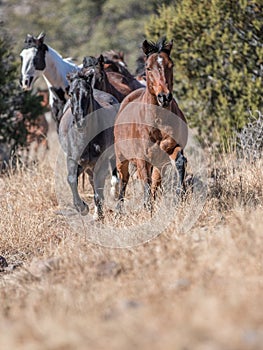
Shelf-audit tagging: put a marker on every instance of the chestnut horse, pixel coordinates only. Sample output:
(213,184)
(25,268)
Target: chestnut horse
(150,128)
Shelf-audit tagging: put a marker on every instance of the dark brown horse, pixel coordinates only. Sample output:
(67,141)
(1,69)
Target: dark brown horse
(117,84)
(114,61)
(118,73)
(101,81)
(150,128)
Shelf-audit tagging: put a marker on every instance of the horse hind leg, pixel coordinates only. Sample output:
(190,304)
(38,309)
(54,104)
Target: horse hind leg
(97,184)
(114,180)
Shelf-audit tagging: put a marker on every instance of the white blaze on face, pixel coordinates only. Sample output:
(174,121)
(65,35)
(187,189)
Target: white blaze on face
(160,60)
(28,71)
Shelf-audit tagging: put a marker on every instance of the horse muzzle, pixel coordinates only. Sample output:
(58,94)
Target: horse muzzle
(164,99)
(26,83)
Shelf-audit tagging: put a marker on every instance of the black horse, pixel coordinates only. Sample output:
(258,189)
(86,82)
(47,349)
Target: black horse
(86,132)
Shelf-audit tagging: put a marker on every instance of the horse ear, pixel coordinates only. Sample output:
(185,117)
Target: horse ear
(146,47)
(41,37)
(121,54)
(169,47)
(149,48)
(84,62)
(101,59)
(28,37)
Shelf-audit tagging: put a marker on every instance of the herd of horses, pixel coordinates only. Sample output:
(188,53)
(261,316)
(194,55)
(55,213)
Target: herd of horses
(109,120)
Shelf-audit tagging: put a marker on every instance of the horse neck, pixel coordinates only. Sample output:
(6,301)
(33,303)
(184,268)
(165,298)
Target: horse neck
(92,106)
(57,69)
(149,98)
(102,84)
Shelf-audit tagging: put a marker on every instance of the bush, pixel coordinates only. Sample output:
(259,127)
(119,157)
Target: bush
(250,139)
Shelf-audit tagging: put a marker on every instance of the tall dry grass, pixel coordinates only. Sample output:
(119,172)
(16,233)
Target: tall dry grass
(196,290)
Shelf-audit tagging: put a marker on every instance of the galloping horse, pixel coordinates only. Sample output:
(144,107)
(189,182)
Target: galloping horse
(101,79)
(150,128)
(85,132)
(39,59)
(125,83)
(114,61)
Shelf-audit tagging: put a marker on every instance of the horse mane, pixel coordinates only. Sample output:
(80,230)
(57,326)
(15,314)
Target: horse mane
(89,61)
(112,54)
(150,47)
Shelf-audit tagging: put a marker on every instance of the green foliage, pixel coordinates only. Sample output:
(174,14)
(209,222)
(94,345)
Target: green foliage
(16,108)
(78,28)
(218,56)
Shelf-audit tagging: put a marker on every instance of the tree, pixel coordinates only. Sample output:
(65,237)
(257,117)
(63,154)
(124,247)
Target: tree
(218,56)
(78,28)
(13,131)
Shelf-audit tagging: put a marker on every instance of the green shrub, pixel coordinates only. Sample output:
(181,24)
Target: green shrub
(13,131)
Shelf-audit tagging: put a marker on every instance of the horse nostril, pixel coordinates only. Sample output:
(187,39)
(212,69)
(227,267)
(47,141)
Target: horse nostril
(169,97)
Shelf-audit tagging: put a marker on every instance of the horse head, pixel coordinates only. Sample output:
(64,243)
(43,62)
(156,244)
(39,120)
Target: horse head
(159,70)
(32,60)
(80,93)
(97,65)
(114,61)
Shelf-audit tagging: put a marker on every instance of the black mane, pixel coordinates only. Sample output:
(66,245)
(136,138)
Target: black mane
(150,47)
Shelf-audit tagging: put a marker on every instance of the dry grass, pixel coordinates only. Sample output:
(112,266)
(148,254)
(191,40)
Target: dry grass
(196,290)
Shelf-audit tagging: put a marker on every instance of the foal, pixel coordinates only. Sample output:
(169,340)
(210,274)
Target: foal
(150,128)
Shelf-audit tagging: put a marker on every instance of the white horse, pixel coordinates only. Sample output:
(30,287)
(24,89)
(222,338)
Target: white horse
(39,59)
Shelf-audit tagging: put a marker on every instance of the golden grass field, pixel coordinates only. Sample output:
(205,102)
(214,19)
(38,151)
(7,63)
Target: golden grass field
(200,289)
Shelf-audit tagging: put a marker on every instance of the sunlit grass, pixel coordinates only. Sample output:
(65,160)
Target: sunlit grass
(200,289)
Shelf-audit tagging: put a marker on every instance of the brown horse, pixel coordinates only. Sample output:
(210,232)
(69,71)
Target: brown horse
(101,81)
(150,128)
(117,84)
(114,61)
(118,73)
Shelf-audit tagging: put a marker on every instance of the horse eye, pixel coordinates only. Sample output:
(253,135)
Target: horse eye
(149,69)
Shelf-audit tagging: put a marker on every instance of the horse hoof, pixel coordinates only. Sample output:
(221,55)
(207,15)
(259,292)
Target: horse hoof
(83,209)
(97,217)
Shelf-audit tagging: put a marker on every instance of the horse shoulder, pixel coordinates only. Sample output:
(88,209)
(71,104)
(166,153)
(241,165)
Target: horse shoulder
(134,97)
(65,123)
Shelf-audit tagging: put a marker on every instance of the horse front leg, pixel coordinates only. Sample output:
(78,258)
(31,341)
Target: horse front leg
(123,171)
(156,181)
(80,205)
(179,160)
(97,184)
